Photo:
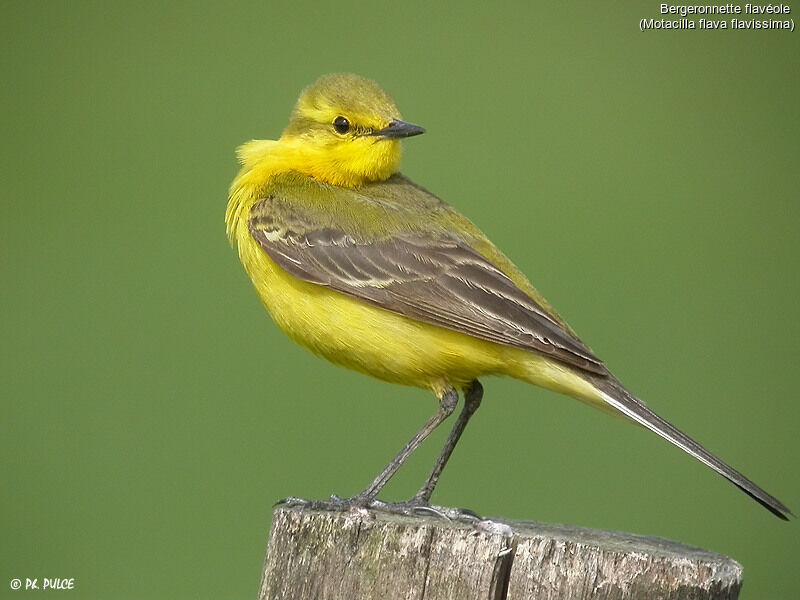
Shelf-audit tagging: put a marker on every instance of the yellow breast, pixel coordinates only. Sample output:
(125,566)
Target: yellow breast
(365,338)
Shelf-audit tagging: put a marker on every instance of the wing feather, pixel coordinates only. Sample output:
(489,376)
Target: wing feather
(431,277)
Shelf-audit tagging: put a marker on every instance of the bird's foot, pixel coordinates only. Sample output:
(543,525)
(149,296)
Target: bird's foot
(335,504)
(418,508)
(413,507)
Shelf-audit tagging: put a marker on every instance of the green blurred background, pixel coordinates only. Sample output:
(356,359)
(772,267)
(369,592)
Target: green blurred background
(152,413)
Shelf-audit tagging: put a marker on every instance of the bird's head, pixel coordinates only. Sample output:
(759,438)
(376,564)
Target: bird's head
(347,130)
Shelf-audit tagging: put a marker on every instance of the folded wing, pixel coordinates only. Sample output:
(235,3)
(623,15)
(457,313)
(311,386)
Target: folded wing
(428,276)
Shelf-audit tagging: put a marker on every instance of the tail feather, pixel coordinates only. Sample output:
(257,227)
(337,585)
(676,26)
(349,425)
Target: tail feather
(626,403)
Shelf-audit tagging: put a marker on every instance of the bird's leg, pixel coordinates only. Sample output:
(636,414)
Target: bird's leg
(472,400)
(447,405)
(419,503)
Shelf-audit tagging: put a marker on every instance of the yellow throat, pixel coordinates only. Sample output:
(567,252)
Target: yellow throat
(345,130)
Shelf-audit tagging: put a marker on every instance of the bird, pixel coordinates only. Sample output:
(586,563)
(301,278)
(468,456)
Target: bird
(365,268)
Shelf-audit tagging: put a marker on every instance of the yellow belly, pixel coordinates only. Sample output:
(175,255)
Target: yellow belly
(365,338)
(386,345)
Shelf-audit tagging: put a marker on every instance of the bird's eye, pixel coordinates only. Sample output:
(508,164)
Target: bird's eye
(341,125)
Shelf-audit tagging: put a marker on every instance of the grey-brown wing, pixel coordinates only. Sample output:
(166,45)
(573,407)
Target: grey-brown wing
(434,279)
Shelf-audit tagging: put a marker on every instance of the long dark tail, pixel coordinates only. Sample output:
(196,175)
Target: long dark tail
(629,405)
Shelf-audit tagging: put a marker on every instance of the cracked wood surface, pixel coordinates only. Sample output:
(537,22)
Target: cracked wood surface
(318,555)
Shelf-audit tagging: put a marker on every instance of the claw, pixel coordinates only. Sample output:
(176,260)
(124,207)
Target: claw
(292,502)
(359,504)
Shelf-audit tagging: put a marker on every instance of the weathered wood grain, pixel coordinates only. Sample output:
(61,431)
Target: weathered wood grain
(318,555)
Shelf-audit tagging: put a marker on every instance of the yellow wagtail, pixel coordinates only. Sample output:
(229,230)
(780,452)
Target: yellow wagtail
(362,266)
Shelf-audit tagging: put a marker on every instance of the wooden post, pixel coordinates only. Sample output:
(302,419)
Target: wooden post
(316,555)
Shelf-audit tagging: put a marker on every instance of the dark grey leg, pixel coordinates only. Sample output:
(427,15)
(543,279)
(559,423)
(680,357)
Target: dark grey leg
(446,407)
(419,503)
(472,400)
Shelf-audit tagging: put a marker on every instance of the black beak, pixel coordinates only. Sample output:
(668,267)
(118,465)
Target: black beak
(398,129)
